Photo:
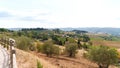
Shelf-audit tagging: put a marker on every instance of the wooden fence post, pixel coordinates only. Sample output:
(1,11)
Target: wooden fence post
(12,42)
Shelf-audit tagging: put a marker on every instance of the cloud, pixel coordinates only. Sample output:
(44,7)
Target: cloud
(30,18)
(43,14)
(24,16)
(5,14)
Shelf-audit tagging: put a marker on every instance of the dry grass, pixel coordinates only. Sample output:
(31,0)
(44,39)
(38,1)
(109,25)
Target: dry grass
(28,60)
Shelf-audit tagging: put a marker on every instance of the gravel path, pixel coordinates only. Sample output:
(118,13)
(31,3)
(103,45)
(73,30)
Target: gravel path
(4,58)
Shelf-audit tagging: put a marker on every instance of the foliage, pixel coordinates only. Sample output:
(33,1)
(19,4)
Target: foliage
(90,43)
(43,37)
(33,29)
(71,40)
(85,38)
(24,43)
(62,40)
(32,47)
(49,49)
(71,49)
(4,30)
(86,46)
(39,65)
(79,44)
(39,47)
(103,56)
(57,31)
(58,40)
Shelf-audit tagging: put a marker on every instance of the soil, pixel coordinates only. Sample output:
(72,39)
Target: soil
(67,62)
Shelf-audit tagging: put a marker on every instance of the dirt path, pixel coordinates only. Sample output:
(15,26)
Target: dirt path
(4,58)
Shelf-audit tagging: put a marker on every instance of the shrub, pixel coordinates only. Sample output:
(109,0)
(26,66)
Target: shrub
(23,43)
(39,47)
(85,46)
(71,49)
(32,47)
(79,44)
(71,40)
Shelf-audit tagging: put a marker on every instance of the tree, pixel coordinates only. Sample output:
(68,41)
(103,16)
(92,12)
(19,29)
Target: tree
(57,31)
(103,56)
(85,38)
(4,30)
(58,40)
(55,39)
(71,49)
(49,49)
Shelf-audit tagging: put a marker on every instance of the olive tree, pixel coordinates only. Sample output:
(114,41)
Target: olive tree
(102,55)
(50,49)
(71,49)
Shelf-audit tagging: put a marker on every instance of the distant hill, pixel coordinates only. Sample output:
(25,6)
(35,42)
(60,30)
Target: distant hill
(15,29)
(113,31)
(79,31)
(23,29)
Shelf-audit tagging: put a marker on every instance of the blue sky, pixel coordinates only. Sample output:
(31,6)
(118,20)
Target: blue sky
(59,13)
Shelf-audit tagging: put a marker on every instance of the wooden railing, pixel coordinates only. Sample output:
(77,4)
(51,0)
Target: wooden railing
(9,43)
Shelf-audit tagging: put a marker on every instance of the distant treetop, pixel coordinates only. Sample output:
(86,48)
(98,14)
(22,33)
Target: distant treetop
(80,31)
(36,29)
(4,30)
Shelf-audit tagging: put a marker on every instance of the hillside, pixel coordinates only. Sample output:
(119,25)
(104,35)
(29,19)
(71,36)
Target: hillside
(55,48)
(28,60)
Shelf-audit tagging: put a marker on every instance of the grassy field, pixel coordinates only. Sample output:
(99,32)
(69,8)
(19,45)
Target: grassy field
(115,44)
(108,40)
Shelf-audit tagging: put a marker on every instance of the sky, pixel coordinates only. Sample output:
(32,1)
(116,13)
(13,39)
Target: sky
(59,13)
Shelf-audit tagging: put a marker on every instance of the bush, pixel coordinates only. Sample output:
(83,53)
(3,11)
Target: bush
(49,49)
(24,43)
(32,47)
(39,47)
(103,56)
(79,44)
(85,46)
(71,40)
(71,50)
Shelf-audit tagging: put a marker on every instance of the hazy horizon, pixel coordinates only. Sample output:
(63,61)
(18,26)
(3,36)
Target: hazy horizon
(59,13)
(58,27)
